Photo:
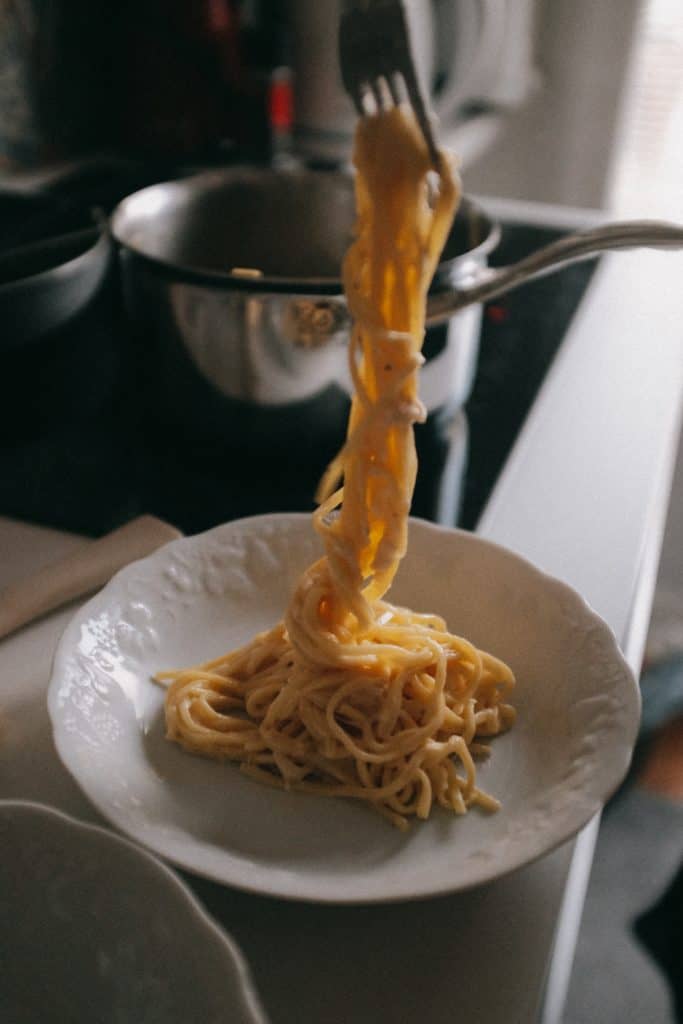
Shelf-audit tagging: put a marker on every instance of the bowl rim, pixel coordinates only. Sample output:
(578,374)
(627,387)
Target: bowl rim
(104,835)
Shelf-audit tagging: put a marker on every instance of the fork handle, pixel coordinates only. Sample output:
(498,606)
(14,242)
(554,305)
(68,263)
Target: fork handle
(489,282)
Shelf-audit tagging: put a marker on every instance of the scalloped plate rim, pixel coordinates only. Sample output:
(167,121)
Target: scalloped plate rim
(306,891)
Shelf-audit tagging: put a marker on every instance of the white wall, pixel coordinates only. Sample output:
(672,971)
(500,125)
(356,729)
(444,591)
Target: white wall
(558,148)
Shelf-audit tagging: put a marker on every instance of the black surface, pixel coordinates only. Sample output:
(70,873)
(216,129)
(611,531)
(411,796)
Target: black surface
(521,334)
(83,446)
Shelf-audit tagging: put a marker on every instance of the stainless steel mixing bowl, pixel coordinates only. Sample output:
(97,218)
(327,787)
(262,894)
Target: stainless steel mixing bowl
(234,276)
(238,272)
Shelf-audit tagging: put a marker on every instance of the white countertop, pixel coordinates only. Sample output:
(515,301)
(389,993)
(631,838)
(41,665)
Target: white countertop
(584,495)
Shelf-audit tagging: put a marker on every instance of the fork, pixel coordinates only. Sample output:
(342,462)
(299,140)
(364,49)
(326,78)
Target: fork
(376,61)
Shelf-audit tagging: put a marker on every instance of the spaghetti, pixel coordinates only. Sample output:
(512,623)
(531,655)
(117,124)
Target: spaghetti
(350,695)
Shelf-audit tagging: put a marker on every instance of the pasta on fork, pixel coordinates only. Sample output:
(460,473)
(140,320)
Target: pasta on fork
(350,695)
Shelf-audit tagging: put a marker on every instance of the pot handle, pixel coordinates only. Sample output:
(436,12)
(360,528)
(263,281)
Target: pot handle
(488,282)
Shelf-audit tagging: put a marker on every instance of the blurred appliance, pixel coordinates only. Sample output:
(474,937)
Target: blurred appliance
(201,79)
(474,58)
(144,78)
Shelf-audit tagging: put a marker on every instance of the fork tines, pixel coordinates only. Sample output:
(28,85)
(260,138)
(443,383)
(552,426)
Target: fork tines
(376,63)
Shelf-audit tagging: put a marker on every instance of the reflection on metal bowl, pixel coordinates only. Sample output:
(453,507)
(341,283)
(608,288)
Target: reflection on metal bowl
(232,280)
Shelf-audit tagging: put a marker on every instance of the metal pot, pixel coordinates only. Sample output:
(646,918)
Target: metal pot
(190,251)
(233,279)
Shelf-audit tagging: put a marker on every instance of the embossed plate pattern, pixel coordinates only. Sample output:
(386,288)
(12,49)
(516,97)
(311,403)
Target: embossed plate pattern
(577,703)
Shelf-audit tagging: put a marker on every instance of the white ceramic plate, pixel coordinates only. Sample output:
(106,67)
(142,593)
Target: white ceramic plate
(93,928)
(577,703)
